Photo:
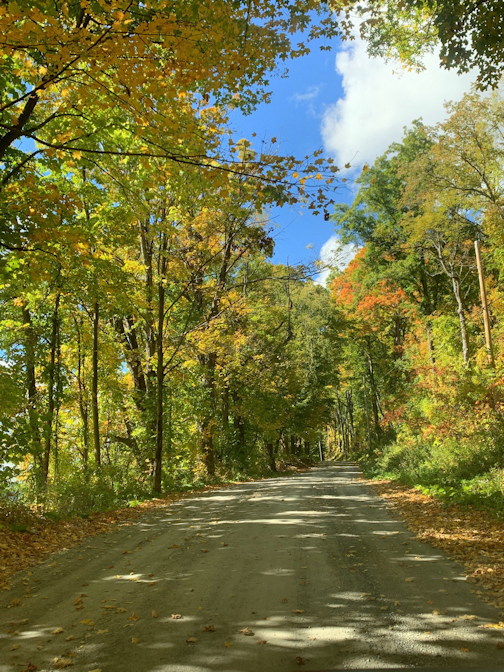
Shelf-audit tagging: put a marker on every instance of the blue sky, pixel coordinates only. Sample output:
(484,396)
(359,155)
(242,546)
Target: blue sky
(351,106)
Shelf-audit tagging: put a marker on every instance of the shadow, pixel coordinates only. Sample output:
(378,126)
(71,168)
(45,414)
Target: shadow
(308,572)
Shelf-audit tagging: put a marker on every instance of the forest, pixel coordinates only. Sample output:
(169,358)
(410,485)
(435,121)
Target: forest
(147,342)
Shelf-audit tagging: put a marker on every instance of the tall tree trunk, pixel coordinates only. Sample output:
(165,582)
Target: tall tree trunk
(375,398)
(207,425)
(462,319)
(94,385)
(83,402)
(51,391)
(484,306)
(158,452)
(448,267)
(31,396)
(160,372)
(270,450)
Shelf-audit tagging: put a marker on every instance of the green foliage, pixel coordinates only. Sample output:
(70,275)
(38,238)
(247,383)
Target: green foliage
(469,33)
(426,398)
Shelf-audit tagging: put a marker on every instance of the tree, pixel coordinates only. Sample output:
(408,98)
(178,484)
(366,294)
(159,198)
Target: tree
(469,33)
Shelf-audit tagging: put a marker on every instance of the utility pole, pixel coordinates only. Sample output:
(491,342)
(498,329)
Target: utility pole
(484,304)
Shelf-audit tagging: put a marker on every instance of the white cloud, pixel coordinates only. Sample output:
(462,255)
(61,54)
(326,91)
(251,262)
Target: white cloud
(310,94)
(380,99)
(333,254)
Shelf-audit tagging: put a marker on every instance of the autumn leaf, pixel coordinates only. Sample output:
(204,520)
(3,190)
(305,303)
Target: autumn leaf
(191,640)
(247,632)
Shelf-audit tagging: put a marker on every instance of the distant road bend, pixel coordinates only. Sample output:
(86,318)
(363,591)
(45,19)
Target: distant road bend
(311,572)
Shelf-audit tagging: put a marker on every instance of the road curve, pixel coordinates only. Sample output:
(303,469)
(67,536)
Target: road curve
(311,572)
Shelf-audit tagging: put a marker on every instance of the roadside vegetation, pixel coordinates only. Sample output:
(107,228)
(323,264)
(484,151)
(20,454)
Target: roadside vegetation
(421,394)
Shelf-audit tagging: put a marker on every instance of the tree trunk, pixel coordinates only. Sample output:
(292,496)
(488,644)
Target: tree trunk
(31,395)
(207,426)
(375,399)
(484,306)
(83,402)
(462,319)
(51,392)
(270,450)
(147,251)
(94,386)
(158,453)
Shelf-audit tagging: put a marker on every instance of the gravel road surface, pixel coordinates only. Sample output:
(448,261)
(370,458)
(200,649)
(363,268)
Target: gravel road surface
(310,572)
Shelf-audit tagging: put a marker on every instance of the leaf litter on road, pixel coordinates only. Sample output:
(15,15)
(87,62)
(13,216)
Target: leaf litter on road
(472,537)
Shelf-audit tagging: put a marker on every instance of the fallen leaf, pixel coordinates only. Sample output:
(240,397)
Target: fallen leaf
(14,603)
(209,628)
(61,663)
(87,621)
(410,579)
(102,632)
(134,640)
(247,631)
(133,617)
(120,610)
(177,616)
(261,641)
(69,638)
(298,611)
(57,631)
(191,640)
(228,644)
(154,613)
(300,661)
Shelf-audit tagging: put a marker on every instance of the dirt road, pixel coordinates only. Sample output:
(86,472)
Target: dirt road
(310,572)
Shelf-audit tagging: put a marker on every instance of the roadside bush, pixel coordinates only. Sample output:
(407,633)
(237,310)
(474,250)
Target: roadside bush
(15,515)
(80,496)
